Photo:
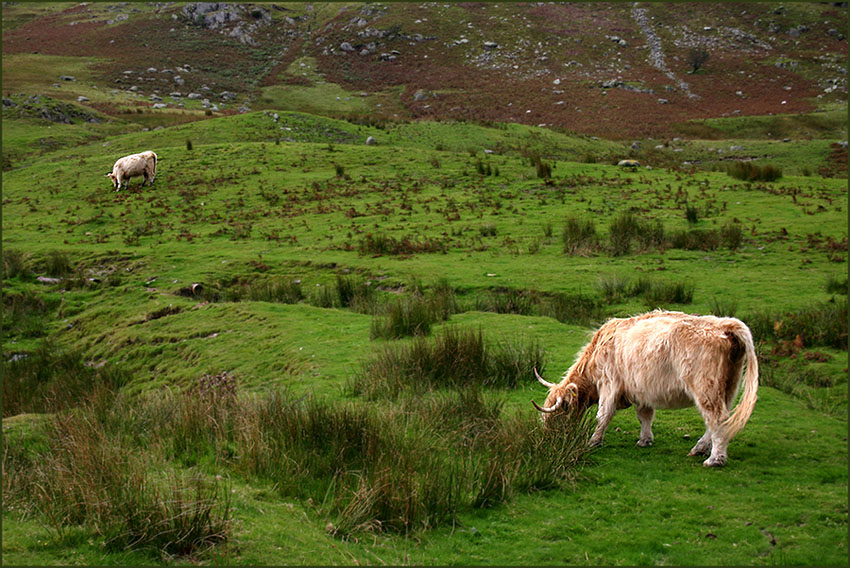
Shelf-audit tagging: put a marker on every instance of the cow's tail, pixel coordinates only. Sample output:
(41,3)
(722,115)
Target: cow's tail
(742,412)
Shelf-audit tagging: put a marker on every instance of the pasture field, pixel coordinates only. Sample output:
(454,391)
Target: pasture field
(305,242)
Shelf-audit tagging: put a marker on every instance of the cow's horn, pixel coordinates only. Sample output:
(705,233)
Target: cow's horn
(543,381)
(552,408)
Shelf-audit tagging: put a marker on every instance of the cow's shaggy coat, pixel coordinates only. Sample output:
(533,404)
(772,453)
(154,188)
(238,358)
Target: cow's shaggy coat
(664,360)
(142,164)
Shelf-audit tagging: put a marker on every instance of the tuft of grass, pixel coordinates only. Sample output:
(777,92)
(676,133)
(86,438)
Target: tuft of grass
(16,263)
(578,309)
(836,285)
(579,236)
(454,358)
(823,324)
(282,290)
(405,317)
(661,293)
(57,264)
(53,378)
(88,477)
(748,171)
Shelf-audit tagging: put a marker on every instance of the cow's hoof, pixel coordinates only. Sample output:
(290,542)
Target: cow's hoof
(596,443)
(715,462)
(644,443)
(699,451)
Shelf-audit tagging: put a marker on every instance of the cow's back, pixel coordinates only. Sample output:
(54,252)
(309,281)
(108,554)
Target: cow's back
(649,356)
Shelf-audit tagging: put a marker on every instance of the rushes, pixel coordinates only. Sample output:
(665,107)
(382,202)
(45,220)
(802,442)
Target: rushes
(455,358)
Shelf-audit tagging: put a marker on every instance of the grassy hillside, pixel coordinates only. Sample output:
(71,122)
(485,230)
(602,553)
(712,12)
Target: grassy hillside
(303,239)
(313,339)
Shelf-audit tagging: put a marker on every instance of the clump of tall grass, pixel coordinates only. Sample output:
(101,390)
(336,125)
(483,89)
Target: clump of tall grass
(282,290)
(627,227)
(724,307)
(16,263)
(823,324)
(380,244)
(405,317)
(57,264)
(580,237)
(732,234)
(454,358)
(617,288)
(52,378)
(836,285)
(661,293)
(346,292)
(25,314)
(579,309)
(507,301)
(748,171)
(696,239)
(88,477)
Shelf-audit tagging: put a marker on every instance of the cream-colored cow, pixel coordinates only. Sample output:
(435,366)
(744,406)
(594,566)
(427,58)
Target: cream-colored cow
(142,164)
(664,360)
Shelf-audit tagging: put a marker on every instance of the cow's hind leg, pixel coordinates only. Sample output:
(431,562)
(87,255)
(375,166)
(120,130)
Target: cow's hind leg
(714,412)
(703,445)
(645,414)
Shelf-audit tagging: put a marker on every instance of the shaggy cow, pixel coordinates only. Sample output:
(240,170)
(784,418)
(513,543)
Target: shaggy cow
(631,164)
(664,360)
(143,164)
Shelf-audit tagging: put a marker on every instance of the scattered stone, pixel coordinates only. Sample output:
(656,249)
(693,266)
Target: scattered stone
(490,45)
(82,99)
(194,96)
(160,105)
(370,141)
(345,46)
(67,78)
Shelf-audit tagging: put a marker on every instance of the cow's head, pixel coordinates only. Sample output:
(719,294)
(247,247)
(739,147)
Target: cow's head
(561,398)
(114,179)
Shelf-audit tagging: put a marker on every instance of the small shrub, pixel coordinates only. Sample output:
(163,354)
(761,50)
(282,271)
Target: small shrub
(339,169)
(188,144)
(691,214)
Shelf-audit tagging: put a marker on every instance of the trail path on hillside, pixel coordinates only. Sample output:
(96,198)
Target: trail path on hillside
(656,55)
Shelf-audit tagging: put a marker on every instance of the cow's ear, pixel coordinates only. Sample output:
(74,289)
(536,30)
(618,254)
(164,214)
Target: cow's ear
(572,391)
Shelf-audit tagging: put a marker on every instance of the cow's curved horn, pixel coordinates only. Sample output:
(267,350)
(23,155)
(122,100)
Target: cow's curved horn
(543,381)
(547,409)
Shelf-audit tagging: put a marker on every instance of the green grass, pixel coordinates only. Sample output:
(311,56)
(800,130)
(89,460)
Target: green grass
(292,288)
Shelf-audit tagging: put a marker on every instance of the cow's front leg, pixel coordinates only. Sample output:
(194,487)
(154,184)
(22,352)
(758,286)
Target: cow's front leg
(645,414)
(607,408)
